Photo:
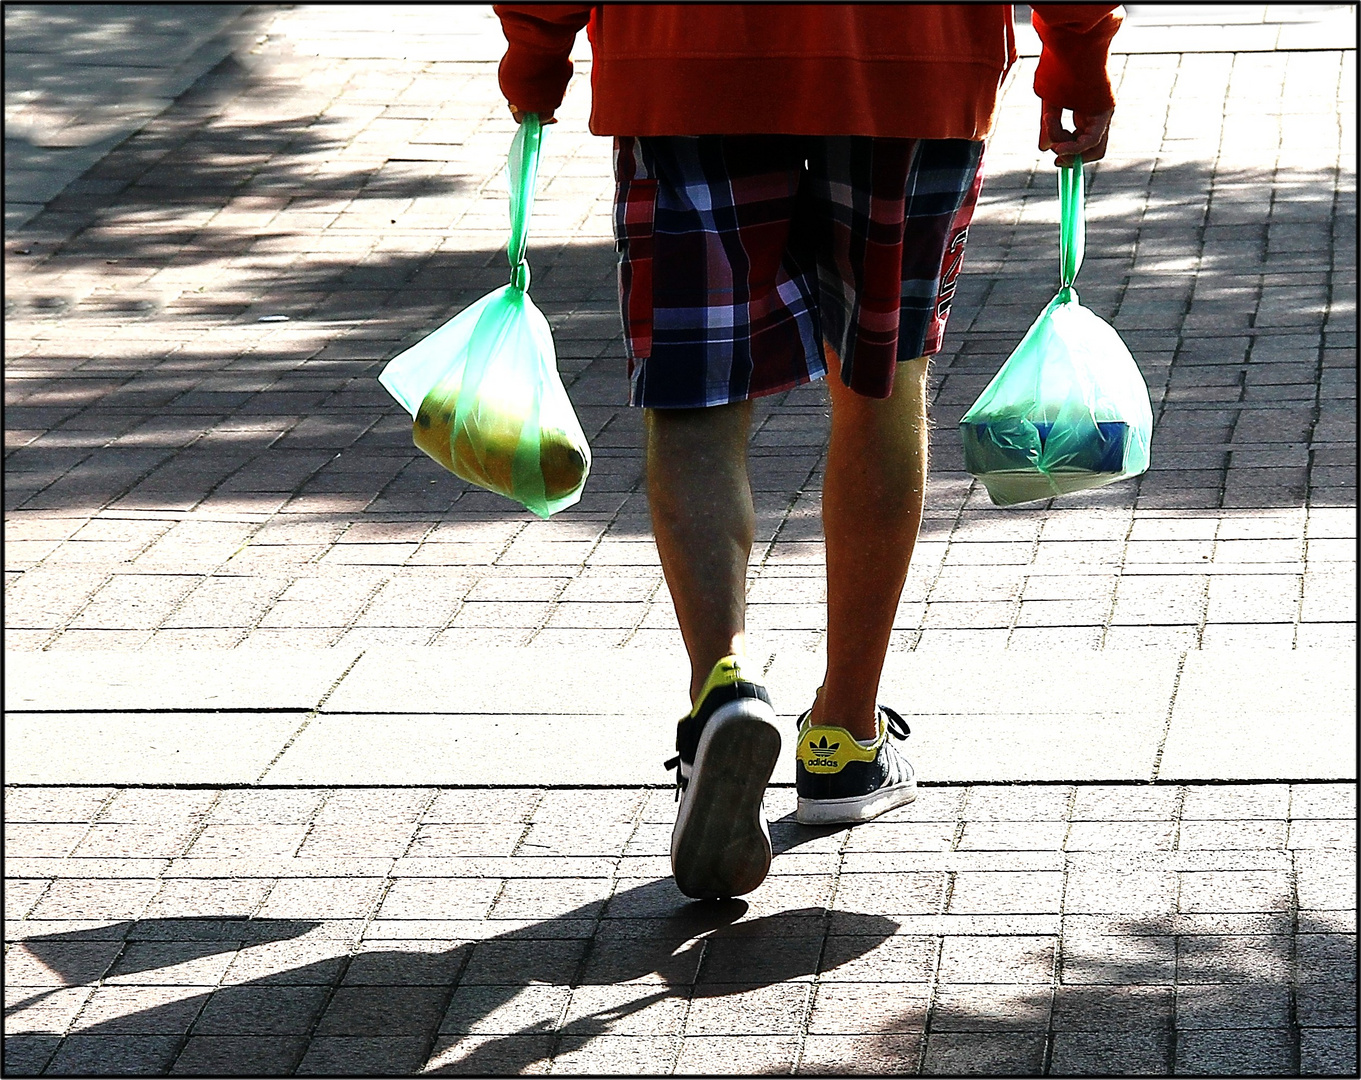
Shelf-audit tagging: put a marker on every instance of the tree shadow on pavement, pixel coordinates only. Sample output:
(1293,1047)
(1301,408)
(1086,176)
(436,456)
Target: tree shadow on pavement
(1218,377)
(1138,995)
(646,939)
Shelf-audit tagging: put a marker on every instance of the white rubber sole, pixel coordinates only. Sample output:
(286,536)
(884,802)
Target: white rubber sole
(720,845)
(856,809)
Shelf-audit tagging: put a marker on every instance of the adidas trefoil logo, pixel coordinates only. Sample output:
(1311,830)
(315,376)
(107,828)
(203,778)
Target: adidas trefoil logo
(821,749)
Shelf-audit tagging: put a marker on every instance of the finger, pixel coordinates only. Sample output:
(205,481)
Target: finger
(1051,126)
(1099,151)
(1092,130)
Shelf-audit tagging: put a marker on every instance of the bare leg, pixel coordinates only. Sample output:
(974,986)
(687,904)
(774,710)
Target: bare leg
(872,500)
(704,522)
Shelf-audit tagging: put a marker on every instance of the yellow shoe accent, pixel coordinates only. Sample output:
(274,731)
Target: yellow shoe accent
(726,672)
(825,750)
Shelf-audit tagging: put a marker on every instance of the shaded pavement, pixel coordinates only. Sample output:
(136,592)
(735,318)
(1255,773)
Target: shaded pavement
(262,649)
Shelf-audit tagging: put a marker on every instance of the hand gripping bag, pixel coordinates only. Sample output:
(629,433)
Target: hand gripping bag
(1069,409)
(483,390)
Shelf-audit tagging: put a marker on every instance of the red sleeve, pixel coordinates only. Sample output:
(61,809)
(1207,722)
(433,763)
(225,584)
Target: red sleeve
(536,69)
(1076,40)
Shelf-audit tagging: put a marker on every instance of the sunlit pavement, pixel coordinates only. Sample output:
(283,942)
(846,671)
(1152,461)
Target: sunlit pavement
(320,761)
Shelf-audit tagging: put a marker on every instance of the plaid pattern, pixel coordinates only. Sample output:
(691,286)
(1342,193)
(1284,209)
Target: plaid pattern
(741,255)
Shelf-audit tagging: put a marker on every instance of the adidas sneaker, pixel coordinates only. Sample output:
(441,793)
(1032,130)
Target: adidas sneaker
(726,751)
(842,780)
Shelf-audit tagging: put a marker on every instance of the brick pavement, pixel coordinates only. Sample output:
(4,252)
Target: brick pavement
(1065,929)
(198,458)
(183,472)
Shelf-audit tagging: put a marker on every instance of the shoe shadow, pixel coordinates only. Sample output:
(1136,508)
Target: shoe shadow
(787,834)
(477,1007)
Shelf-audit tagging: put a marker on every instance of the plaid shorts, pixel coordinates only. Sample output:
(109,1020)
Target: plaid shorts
(739,256)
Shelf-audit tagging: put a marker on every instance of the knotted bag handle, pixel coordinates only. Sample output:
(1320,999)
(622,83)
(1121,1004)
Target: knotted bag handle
(1072,227)
(522,169)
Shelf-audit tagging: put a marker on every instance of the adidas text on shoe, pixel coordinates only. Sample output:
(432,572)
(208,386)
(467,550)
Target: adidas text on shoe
(843,781)
(726,750)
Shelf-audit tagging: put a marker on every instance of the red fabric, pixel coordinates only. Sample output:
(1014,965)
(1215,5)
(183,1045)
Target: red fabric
(1076,39)
(895,70)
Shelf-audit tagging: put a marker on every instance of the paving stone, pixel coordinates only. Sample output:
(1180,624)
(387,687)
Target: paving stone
(1121,836)
(892,959)
(1328,1051)
(538,899)
(578,1055)
(416,898)
(1322,800)
(1234,1052)
(951,1053)
(882,1055)
(239,1055)
(1325,1004)
(390,1011)
(1239,1006)
(59,963)
(1219,835)
(113,1054)
(760,959)
(177,963)
(997,960)
(42,839)
(93,899)
(1225,890)
(991,1007)
(1233,959)
(26,1055)
(761,1010)
(1111,1053)
(34,1011)
(207,899)
(1001,891)
(322,898)
(1130,892)
(1323,833)
(1006,835)
(484,1055)
(500,963)
(732,1054)
(1114,959)
(891,894)
(304,962)
(1107,1008)
(1327,957)
(75,804)
(846,1009)
(364,1055)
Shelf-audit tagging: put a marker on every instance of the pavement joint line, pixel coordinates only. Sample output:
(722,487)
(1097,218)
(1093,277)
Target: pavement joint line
(1167,724)
(1206,782)
(307,719)
(1292,996)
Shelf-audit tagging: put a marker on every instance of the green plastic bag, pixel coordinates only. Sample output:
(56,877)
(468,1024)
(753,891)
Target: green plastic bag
(1069,409)
(483,390)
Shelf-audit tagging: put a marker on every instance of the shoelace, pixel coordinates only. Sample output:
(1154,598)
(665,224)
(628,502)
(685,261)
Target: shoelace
(893,723)
(894,763)
(674,763)
(896,725)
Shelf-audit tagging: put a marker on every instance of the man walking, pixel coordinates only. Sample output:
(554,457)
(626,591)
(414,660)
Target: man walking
(794,185)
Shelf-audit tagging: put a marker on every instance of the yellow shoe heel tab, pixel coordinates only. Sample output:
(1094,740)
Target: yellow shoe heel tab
(726,672)
(831,747)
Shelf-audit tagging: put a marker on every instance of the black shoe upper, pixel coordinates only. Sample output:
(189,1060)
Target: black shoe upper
(690,728)
(857,778)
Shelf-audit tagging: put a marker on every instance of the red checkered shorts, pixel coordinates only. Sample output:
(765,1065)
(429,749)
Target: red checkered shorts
(741,255)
